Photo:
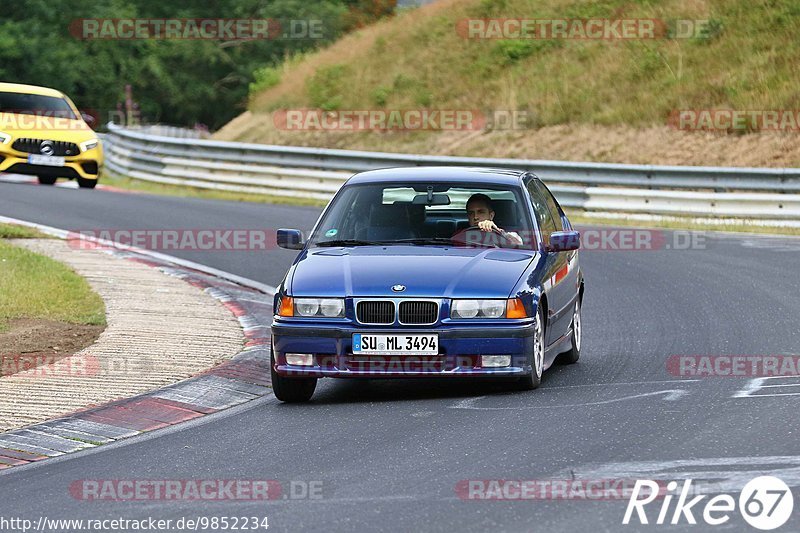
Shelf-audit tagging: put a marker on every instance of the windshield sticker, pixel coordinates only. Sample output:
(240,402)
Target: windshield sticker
(331,232)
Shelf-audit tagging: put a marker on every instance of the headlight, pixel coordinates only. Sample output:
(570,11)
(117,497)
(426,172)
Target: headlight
(512,308)
(88,145)
(306,306)
(309,307)
(332,307)
(4,138)
(465,308)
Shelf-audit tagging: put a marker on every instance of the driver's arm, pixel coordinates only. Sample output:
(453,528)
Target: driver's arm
(510,236)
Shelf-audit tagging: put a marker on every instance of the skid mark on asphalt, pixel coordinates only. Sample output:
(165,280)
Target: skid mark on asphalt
(670,395)
(709,474)
(781,386)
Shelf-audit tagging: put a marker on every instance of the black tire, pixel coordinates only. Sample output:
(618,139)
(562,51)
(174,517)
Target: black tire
(536,358)
(47,180)
(86,184)
(571,357)
(291,390)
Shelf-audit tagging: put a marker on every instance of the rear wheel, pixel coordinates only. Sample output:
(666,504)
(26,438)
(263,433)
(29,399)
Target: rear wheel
(291,390)
(534,379)
(47,180)
(86,184)
(574,353)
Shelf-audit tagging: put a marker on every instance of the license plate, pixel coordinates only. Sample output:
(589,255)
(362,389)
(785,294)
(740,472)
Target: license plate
(47,160)
(366,344)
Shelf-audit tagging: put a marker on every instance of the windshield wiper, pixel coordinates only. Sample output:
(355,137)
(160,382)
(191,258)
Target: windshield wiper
(348,242)
(422,241)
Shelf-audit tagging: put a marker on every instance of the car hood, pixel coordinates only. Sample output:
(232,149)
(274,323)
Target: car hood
(425,271)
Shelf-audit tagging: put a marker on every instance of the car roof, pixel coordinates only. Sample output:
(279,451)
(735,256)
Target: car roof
(497,176)
(29,89)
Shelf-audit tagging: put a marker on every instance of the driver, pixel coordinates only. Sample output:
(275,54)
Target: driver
(481,215)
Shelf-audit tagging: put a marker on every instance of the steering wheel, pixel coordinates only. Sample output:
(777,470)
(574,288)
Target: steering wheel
(476,228)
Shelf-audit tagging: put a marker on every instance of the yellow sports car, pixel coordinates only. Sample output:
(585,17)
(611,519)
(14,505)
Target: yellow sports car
(42,133)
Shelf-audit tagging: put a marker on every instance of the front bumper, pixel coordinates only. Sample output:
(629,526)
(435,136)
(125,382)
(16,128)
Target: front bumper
(85,165)
(460,348)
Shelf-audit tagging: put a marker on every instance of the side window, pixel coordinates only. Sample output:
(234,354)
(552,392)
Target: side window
(547,224)
(551,203)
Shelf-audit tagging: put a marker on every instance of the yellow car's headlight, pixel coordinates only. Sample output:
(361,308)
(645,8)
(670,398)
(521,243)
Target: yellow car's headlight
(4,138)
(88,145)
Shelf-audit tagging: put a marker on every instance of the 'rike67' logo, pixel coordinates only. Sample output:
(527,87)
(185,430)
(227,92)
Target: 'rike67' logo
(765,503)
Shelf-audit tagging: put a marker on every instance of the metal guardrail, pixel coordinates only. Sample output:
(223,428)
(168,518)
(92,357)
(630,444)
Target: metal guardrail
(170,131)
(752,193)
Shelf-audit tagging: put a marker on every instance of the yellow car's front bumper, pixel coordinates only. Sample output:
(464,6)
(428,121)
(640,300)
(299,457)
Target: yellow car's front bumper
(85,165)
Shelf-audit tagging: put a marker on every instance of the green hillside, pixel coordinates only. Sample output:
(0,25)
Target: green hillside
(746,59)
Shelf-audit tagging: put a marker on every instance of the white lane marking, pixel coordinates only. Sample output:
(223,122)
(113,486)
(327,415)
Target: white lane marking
(469,403)
(62,234)
(714,474)
(772,244)
(619,383)
(752,387)
(17,178)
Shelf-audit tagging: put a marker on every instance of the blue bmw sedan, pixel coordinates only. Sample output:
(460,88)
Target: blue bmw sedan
(429,272)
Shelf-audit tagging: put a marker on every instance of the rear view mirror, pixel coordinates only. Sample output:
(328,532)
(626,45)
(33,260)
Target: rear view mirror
(564,241)
(291,239)
(432,199)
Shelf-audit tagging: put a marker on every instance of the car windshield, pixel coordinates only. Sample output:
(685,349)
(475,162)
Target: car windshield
(423,214)
(35,104)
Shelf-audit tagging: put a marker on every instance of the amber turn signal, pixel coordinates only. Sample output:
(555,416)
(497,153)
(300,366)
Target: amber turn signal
(287,306)
(515,309)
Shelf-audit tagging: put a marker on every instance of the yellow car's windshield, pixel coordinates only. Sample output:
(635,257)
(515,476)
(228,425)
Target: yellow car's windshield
(35,104)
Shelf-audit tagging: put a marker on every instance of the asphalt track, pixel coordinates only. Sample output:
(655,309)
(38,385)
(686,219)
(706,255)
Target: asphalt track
(388,455)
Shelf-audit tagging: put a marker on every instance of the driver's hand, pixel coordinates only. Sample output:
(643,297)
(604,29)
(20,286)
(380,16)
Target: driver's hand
(488,225)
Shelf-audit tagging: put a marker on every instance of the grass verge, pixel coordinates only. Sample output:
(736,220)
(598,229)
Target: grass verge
(35,286)
(15,231)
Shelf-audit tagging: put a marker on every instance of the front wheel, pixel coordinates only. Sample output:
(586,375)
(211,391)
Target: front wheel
(86,184)
(291,390)
(47,180)
(534,379)
(572,356)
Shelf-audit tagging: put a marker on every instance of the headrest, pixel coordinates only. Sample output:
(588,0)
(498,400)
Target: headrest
(388,215)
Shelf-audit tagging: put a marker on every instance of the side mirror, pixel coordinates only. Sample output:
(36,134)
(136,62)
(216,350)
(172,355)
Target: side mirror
(89,119)
(291,239)
(564,241)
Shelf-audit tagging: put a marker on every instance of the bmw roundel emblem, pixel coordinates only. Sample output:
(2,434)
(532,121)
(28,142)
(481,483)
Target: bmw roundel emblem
(398,288)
